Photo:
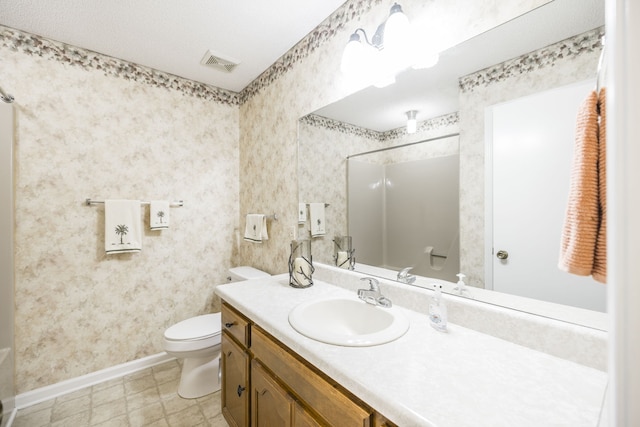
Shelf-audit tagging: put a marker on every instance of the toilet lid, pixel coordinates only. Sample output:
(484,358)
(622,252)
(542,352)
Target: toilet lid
(195,328)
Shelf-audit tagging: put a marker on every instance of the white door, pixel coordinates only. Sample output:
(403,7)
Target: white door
(532,146)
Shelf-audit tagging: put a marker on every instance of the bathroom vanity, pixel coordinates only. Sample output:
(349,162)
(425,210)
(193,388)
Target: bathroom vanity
(265,383)
(273,374)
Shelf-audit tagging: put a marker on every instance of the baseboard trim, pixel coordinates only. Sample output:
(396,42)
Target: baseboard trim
(42,394)
(11,418)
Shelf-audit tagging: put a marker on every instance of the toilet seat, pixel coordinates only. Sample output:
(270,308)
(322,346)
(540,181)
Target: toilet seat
(195,329)
(198,336)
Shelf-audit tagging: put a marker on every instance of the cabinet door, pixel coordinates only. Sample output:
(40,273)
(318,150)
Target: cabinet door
(235,383)
(380,421)
(329,402)
(302,418)
(271,405)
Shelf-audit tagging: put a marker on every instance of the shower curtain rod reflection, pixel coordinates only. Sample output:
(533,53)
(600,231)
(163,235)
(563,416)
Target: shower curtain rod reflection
(5,96)
(403,145)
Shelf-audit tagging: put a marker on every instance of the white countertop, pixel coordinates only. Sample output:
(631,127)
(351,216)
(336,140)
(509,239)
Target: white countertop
(427,378)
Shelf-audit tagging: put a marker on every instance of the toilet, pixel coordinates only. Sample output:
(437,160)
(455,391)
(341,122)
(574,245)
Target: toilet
(197,342)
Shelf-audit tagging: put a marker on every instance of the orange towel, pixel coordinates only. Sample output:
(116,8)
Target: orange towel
(600,261)
(583,245)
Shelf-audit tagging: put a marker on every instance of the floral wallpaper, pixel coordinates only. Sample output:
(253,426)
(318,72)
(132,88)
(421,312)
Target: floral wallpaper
(93,126)
(83,133)
(48,49)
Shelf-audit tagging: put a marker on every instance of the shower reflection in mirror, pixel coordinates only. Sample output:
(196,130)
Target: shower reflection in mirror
(403,207)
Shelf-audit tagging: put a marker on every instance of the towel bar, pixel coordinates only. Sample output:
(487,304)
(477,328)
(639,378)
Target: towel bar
(174,204)
(326,205)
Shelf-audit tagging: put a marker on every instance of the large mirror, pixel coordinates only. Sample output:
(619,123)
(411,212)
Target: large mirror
(547,57)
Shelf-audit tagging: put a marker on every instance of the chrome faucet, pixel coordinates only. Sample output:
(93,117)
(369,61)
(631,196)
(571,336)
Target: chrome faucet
(373,295)
(405,277)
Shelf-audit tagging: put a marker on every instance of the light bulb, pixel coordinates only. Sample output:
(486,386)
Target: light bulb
(397,38)
(412,123)
(352,56)
(397,28)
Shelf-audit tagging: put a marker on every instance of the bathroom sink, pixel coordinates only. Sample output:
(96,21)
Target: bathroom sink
(348,322)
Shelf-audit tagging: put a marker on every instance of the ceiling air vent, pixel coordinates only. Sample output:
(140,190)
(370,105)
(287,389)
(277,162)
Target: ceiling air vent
(214,60)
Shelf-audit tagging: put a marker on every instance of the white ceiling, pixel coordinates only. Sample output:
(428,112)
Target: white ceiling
(174,35)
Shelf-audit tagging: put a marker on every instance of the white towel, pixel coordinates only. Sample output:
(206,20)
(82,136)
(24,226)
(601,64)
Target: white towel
(316,212)
(159,215)
(256,228)
(122,226)
(302,213)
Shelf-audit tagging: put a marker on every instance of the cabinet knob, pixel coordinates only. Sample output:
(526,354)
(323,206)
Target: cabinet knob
(229,324)
(240,390)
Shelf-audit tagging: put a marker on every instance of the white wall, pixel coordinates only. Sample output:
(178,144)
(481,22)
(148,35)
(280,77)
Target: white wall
(623,184)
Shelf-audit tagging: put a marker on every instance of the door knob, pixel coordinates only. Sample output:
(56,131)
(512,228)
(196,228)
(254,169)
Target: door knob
(502,254)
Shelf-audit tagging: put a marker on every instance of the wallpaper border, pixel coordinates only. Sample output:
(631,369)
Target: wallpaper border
(31,44)
(34,45)
(546,57)
(324,32)
(347,128)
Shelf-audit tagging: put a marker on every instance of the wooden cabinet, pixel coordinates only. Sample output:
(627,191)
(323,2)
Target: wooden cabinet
(235,368)
(264,383)
(325,397)
(380,421)
(271,405)
(235,325)
(302,417)
(235,383)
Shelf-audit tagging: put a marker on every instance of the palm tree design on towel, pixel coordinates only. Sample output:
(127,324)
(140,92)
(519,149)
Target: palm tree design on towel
(160,215)
(122,230)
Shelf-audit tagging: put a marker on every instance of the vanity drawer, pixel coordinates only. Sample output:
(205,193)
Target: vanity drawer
(334,405)
(235,324)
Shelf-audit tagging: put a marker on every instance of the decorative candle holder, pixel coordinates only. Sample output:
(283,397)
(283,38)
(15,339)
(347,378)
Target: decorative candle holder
(301,264)
(343,252)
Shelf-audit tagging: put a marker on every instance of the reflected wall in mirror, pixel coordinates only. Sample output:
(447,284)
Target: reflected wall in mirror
(555,45)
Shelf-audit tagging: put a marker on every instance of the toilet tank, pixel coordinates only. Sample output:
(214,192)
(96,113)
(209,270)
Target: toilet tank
(237,274)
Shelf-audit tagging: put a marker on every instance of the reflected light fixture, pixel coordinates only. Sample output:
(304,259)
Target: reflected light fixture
(412,123)
(389,51)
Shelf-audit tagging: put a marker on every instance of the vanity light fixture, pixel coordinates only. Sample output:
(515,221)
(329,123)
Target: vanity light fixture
(389,51)
(412,124)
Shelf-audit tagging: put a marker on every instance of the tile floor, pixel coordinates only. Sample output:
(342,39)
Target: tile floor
(145,398)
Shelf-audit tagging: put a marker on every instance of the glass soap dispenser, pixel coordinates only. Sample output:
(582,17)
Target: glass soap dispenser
(438,310)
